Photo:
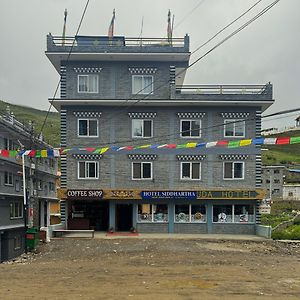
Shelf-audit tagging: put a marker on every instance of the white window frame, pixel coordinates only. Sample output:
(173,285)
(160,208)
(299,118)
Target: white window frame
(152,215)
(143,130)
(191,171)
(10,177)
(190,215)
(88,77)
(9,144)
(190,136)
(233,214)
(232,170)
(40,185)
(142,92)
(17,242)
(86,163)
(12,210)
(88,126)
(234,130)
(142,162)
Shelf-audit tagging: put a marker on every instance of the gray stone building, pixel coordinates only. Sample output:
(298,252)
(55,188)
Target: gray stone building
(273,180)
(122,92)
(40,176)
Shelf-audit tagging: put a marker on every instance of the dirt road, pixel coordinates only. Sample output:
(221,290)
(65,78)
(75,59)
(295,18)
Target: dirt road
(155,269)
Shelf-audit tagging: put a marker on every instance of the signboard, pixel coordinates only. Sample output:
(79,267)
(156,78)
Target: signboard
(149,195)
(229,194)
(84,194)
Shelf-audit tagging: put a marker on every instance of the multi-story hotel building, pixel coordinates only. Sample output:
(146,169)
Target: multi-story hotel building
(129,92)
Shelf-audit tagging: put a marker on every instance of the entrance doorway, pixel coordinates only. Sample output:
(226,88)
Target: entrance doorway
(123,217)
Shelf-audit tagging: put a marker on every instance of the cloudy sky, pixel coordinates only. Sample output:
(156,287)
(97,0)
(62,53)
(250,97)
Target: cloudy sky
(267,50)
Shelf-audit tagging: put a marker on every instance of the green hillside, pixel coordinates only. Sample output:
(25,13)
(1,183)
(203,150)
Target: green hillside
(25,114)
(282,154)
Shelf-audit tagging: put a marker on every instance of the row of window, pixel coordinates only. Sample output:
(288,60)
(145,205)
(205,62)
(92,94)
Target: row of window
(190,213)
(143,128)
(16,210)
(144,170)
(89,83)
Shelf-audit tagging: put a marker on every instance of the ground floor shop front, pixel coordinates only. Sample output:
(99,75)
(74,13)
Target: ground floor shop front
(165,212)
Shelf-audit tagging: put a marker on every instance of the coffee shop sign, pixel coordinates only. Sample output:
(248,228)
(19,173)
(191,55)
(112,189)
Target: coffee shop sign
(86,194)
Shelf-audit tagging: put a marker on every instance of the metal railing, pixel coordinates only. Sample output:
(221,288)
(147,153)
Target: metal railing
(223,89)
(10,119)
(115,41)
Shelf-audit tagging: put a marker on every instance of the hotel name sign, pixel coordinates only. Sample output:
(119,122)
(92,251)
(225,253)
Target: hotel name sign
(71,194)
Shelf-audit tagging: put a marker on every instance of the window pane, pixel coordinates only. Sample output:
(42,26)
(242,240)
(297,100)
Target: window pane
(195,128)
(160,212)
(144,213)
(238,170)
(228,170)
(82,124)
(137,85)
(136,170)
(148,85)
(92,170)
(195,170)
(93,128)
(147,128)
(146,170)
(182,213)
(229,128)
(186,170)
(239,128)
(83,84)
(81,169)
(198,213)
(185,128)
(222,213)
(137,128)
(244,214)
(93,83)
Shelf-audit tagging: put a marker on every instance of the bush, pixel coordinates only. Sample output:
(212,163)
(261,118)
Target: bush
(290,233)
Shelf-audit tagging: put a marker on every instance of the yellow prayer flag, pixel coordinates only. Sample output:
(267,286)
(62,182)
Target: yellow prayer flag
(103,150)
(44,153)
(191,145)
(245,142)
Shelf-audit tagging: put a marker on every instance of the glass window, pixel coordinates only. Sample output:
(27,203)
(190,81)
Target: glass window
(16,210)
(88,83)
(8,178)
(88,170)
(17,185)
(233,170)
(9,144)
(190,128)
(185,213)
(244,214)
(234,128)
(17,242)
(141,128)
(222,213)
(198,213)
(88,127)
(142,170)
(182,213)
(190,171)
(153,213)
(142,84)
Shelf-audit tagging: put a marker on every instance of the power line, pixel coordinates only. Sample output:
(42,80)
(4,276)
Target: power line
(69,54)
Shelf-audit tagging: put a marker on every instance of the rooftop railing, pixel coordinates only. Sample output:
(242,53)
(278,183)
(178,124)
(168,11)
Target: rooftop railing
(117,41)
(224,89)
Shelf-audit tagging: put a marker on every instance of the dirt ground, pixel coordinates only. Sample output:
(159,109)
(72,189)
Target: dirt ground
(155,269)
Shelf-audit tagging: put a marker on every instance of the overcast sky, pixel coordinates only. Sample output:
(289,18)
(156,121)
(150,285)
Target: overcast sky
(267,50)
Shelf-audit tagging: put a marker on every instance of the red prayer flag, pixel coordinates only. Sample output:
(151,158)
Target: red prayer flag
(222,143)
(5,153)
(32,153)
(282,141)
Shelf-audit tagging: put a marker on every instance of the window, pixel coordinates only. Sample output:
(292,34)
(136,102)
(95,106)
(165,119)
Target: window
(190,171)
(235,213)
(9,144)
(233,170)
(88,83)
(51,187)
(189,213)
(40,185)
(17,242)
(234,128)
(16,210)
(141,128)
(88,127)
(276,171)
(18,185)
(142,84)
(290,194)
(88,170)
(8,178)
(276,181)
(153,213)
(190,128)
(142,170)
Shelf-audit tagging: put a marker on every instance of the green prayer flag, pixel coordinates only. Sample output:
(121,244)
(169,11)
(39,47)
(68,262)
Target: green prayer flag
(233,144)
(295,140)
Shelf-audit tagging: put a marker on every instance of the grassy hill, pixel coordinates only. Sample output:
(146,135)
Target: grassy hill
(282,154)
(25,114)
